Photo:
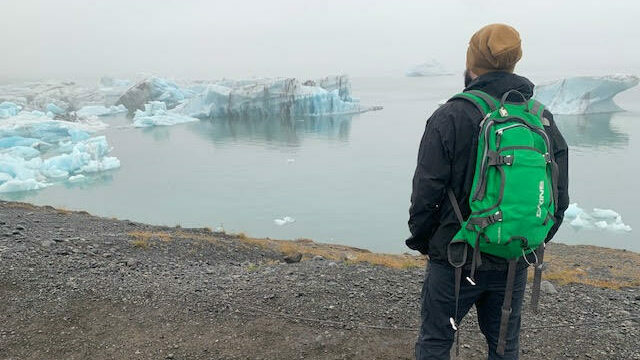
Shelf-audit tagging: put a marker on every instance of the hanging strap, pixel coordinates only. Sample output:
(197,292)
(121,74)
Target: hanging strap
(475,260)
(454,321)
(506,308)
(537,279)
(456,207)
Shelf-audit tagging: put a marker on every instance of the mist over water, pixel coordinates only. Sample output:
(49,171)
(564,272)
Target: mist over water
(194,39)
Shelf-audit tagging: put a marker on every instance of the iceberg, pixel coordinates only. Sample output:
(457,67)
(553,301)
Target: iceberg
(36,151)
(284,221)
(100,110)
(430,68)
(584,94)
(155,114)
(604,214)
(8,109)
(153,89)
(60,99)
(280,98)
(603,219)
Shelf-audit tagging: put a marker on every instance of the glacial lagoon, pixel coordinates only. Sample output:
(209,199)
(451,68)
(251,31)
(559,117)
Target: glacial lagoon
(341,179)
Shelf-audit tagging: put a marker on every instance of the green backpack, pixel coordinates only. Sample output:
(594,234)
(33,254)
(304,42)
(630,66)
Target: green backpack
(514,192)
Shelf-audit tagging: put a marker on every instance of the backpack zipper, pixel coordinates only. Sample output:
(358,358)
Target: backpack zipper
(500,131)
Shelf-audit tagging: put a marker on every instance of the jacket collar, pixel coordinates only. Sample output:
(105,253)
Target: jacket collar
(496,83)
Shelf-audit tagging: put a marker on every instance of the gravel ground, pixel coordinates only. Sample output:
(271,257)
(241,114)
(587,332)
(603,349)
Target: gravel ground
(75,286)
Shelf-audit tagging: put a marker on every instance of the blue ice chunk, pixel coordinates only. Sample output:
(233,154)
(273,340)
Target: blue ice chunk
(87,156)
(20,168)
(584,94)
(78,135)
(4,177)
(76,178)
(155,114)
(166,91)
(25,152)
(67,147)
(16,185)
(153,89)
(11,141)
(55,109)
(9,109)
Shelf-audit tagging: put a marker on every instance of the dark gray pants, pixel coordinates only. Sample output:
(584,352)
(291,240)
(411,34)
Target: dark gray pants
(438,304)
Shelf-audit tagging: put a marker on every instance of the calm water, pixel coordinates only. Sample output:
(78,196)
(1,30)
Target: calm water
(345,180)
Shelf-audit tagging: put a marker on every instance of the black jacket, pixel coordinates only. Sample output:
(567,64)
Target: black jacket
(446,159)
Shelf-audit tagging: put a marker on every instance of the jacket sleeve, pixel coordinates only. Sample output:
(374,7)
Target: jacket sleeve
(429,183)
(561,155)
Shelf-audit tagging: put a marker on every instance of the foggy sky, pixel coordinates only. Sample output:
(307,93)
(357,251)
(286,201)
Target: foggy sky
(241,38)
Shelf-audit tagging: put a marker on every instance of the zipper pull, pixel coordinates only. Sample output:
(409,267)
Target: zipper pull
(503,112)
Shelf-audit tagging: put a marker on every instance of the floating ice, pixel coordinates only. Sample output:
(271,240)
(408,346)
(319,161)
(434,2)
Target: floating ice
(87,156)
(55,109)
(76,178)
(573,211)
(51,96)
(36,151)
(582,220)
(584,94)
(153,89)
(15,185)
(604,219)
(100,110)
(604,214)
(618,225)
(155,113)
(8,109)
(284,221)
(430,68)
(279,98)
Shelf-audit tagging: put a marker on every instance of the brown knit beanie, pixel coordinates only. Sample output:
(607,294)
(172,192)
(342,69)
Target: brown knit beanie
(495,47)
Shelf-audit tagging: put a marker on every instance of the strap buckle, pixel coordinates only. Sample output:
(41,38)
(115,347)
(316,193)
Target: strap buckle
(496,159)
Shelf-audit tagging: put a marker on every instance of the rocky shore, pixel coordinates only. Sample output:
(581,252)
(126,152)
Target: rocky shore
(76,286)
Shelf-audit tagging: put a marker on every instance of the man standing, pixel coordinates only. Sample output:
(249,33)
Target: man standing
(445,171)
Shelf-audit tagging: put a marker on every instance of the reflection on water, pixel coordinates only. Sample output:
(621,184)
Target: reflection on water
(591,130)
(287,132)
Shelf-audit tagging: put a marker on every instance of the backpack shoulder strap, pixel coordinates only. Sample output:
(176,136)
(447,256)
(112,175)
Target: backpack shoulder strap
(484,102)
(537,108)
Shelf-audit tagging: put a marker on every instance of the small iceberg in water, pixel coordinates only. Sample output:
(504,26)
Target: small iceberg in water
(155,114)
(430,68)
(284,221)
(603,219)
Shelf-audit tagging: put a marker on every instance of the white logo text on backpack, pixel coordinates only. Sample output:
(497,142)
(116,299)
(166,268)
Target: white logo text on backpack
(540,199)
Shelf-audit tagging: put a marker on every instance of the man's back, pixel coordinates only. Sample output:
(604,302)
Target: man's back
(448,152)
